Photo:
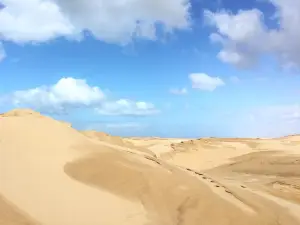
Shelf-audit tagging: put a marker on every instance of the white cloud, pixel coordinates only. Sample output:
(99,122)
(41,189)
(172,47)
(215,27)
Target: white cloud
(116,21)
(2,52)
(66,93)
(127,107)
(33,21)
(204,82)
(240,35)
(135,18)
(178,91)
(70,93)
(245,37)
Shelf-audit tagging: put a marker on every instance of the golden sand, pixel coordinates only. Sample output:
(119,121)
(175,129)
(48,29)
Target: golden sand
(52,174)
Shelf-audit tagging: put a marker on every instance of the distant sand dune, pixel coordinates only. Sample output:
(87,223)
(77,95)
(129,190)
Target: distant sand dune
(117,142)
(266,163)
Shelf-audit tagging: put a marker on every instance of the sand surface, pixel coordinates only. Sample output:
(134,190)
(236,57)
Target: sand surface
(52,174)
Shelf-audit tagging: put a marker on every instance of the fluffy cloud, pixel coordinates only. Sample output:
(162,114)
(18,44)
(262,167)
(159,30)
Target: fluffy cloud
(135,18)
(178,91)
(70,93)
(19,20)
(65,94)
(245,37)
(33,21)
(204,82)
(127,108)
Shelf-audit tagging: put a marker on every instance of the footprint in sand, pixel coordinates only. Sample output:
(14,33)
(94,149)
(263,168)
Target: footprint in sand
(218,189)
(200,174)
(229,192)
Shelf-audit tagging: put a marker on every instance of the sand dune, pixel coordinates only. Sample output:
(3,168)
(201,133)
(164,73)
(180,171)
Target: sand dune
(34,151)
(214,152)
(158,146)
(52,174)
(117,142)
(273,172)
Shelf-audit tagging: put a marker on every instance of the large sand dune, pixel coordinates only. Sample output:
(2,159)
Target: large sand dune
(52,174)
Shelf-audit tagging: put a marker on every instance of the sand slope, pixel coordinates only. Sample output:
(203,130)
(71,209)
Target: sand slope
(117,142)
(33,153)
(11,215)
(214,152)
(53,174)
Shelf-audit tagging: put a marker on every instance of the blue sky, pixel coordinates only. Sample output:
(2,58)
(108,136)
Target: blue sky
(172,68)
